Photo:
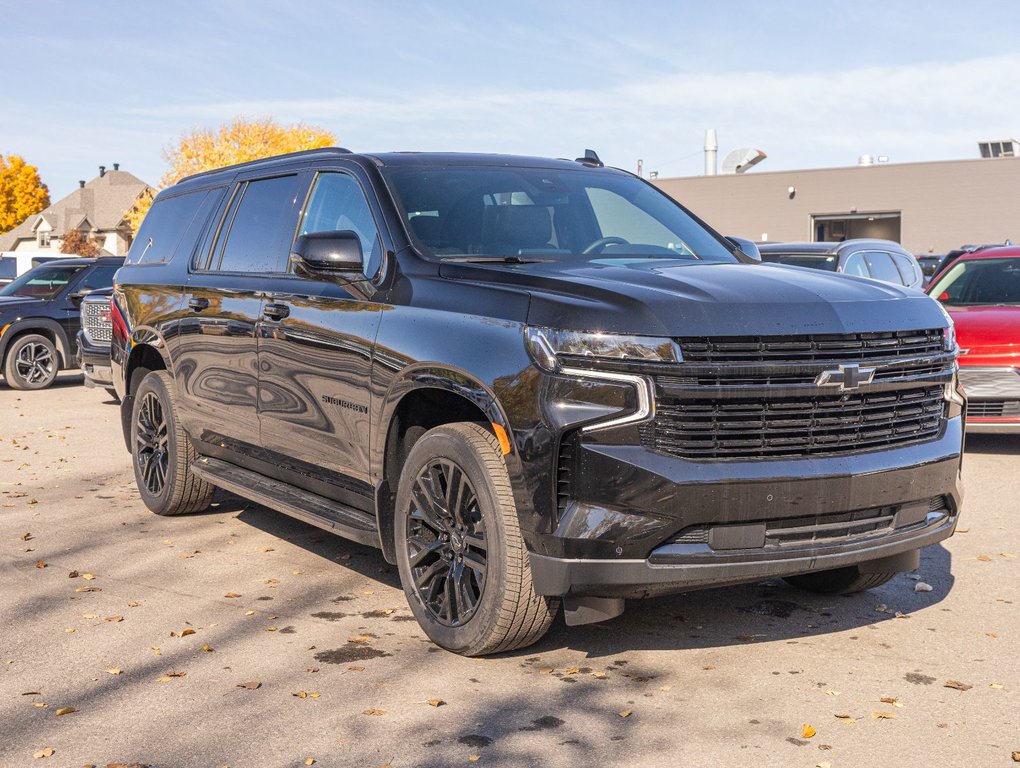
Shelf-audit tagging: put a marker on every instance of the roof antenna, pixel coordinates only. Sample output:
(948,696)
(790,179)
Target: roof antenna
(591,157)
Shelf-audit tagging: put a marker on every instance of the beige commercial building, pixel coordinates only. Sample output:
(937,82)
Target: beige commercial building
(928,207)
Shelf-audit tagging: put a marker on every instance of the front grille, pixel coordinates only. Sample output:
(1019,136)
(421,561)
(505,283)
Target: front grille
(993,408)
(95,320)
(855,347)
(776,427)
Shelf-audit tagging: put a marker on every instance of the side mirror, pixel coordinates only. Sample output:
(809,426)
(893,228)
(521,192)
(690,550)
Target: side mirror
(328,254)
(77,296)
(746,247)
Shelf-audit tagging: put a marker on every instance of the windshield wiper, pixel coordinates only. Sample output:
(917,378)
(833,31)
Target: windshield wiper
(495,260)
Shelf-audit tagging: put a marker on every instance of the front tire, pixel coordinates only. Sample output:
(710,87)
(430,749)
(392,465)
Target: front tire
(31,362)
(839,581)
(462,561)
(161,452)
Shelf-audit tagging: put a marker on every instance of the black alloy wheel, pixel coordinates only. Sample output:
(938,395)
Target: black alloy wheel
(151,443)
(162,453)
(446,545)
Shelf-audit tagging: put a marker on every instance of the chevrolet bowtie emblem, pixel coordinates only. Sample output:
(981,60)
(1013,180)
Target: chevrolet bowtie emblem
(846,377)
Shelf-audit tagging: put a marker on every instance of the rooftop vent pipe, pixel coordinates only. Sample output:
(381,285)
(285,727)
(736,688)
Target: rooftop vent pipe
(711,151)
(102,171)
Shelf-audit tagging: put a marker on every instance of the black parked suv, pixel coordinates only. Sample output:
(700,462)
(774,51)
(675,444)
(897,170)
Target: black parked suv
(529,382)
(39,318)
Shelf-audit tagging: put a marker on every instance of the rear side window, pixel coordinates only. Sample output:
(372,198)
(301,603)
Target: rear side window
(907,268)
(8,268)
(882,267)
(256,239)
(100,277)
(164,227)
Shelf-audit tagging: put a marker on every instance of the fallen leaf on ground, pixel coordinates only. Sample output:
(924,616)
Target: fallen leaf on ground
(73,575)
(997,686)
(26,536)
(66,710)
(984,558)
(1016,757)
(113,671)
(356,668)
(844,718)
(360,639)
(270,629)
(571,670)
(665,688)
(1007,554)
(599,675)
(435,702)
(88,576)
(474,758)
(249,613)
(88,589)
(310,761)
(113,619)
(231,594)
(625,712)
(545,670)
(374,712)
(251,686)
(922,587)
(43,752)
(186,632)
(888,699)
(40,563)
(883,715)
(133,604)
(957,685)
(297,573)
(39,705)
(823,764)
(807,731)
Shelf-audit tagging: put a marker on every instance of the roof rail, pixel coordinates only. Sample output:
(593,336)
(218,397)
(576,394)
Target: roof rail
(328,151)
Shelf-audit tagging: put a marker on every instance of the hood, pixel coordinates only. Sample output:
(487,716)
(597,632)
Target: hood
(986,331)
(682,298)
(14,305)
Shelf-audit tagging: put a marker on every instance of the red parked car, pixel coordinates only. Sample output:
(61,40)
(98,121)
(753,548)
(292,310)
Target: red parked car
(981,291)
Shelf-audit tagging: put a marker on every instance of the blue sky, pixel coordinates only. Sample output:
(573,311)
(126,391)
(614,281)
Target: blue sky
(813,84)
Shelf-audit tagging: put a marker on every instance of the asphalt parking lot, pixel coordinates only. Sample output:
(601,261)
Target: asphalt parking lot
(242,638)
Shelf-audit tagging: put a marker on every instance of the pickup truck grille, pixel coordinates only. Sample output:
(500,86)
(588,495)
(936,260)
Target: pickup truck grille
(790,427)
(95,319)
(993,408)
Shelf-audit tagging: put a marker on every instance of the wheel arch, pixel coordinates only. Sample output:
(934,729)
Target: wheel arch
(420,399)
(143,358)
(44,326)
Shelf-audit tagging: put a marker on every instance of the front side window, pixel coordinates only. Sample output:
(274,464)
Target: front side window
(254,241)
(337,203)
(855,266)
(41,282)
(882,267)
(975,282)
(547,213)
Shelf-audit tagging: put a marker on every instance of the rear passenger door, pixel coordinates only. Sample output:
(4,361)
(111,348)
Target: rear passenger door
(315,353)
(217,364)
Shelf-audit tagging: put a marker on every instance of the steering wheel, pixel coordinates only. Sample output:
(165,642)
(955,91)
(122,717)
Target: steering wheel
(600,245)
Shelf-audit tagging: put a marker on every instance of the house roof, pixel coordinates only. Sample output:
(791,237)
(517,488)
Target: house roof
(100,204)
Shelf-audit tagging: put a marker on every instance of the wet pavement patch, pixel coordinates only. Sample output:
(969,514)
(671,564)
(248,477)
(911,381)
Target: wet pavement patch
(375,614)
(544,723)
(288,630)
(780,609)
(918,679)
(330,615)
(342,599)
(350,652)
(474,740)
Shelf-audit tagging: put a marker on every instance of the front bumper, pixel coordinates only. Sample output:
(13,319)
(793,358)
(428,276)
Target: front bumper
(993,396)
(94,361)
(643,524)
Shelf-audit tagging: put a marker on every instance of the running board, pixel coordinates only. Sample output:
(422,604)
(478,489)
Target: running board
(284,497)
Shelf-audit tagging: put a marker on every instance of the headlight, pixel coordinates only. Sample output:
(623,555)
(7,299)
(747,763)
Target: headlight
(949,340)
(548,347)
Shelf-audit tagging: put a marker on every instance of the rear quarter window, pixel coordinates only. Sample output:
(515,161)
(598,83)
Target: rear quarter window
(172,226)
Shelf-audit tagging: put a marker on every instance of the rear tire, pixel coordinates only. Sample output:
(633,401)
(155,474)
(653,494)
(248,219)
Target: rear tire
(840,581)
(32,362)
(461,557)
(161,452)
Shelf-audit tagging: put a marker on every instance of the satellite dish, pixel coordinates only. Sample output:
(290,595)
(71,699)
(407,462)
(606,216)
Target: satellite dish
(739,160)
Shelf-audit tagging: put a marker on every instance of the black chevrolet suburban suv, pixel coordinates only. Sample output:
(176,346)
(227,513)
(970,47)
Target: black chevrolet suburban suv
(530,383)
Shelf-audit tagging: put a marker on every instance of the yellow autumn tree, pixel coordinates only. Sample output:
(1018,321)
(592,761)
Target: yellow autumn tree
(22,192)
(238,141)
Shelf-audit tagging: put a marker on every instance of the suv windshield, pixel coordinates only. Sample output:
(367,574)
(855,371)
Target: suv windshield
(975,282)
(41,282)
(814,260)
(467,213)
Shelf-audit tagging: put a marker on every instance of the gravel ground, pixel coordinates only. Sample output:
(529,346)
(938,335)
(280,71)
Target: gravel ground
(242,638)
